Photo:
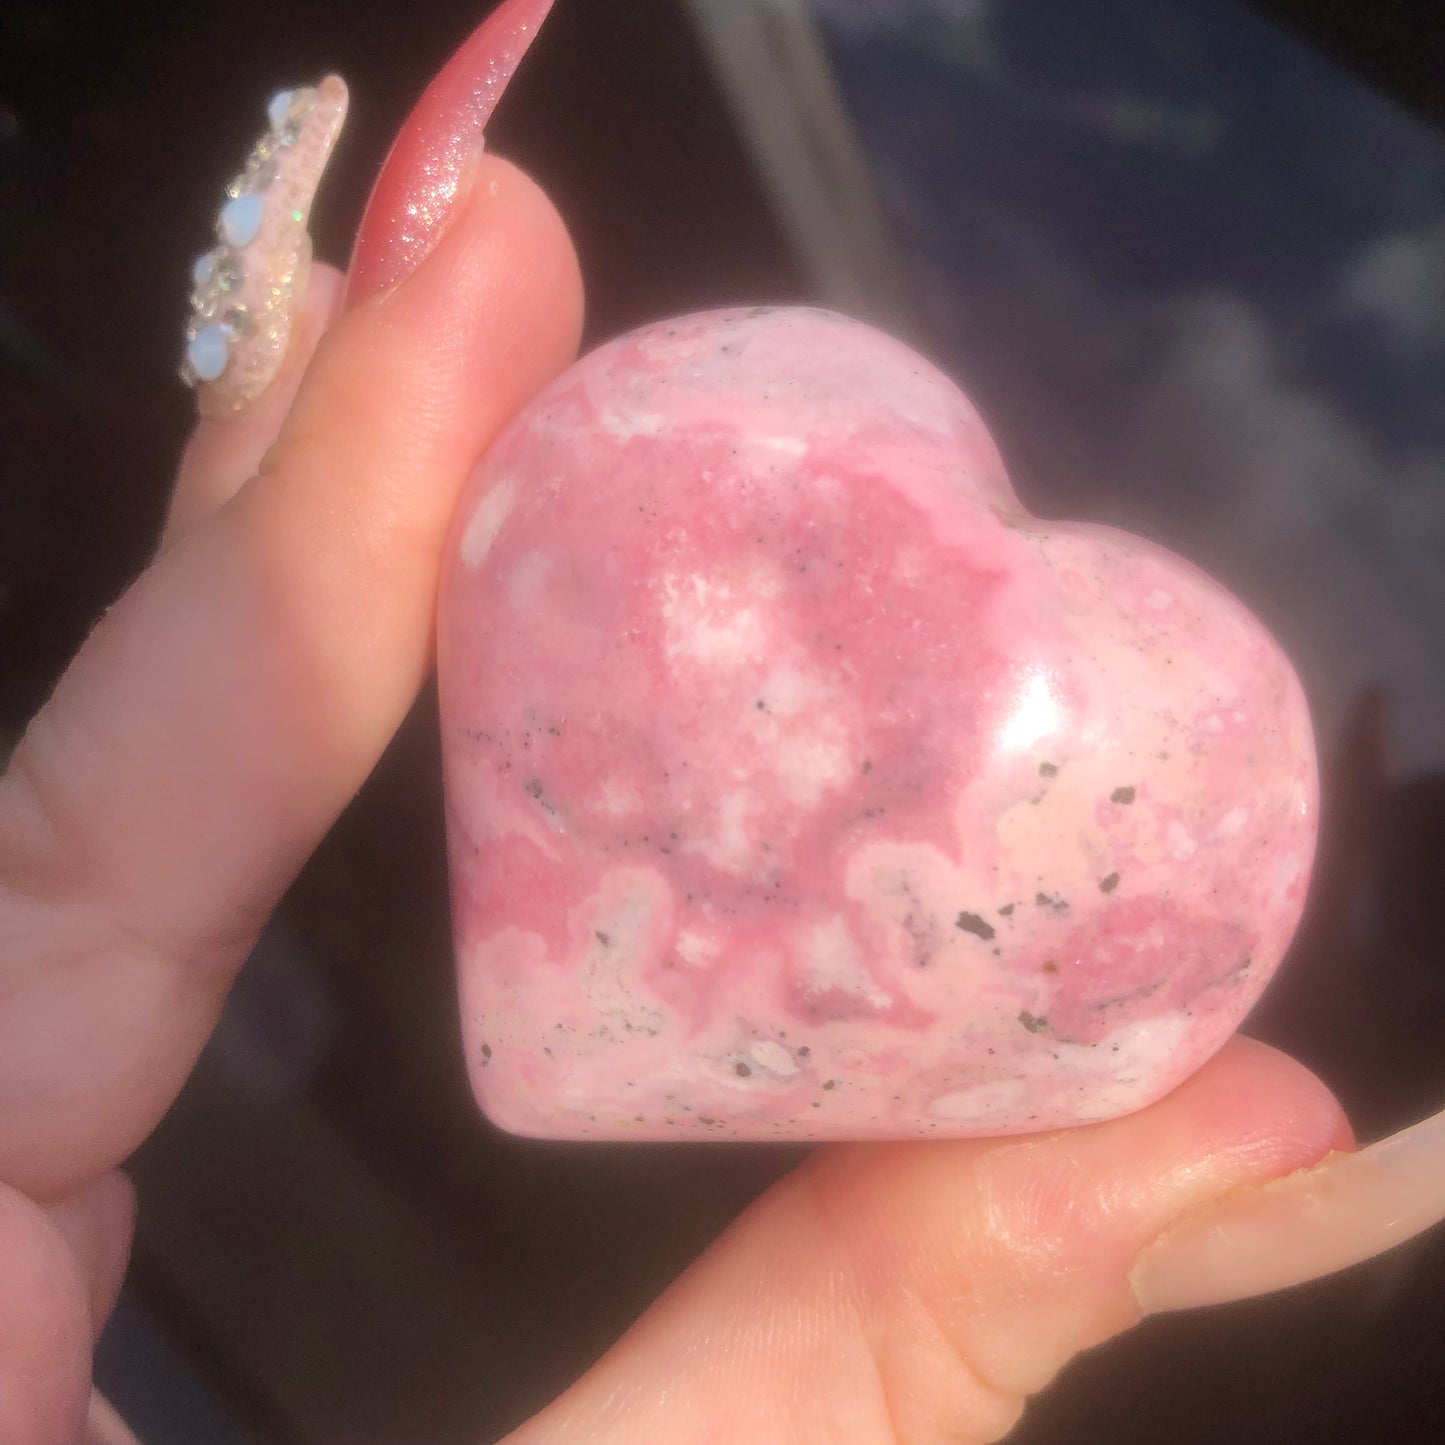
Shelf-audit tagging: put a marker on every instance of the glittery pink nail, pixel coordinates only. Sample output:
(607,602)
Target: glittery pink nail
(415,191)
(243,300)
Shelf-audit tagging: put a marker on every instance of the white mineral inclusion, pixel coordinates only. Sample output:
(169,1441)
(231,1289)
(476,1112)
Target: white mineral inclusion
(624,427)
(730,843)
(1231,823)
(835,964)
(1137,1053)
(487,520)
(694,949)
(623,934)
(982,1104)
(709,622)
(526,580)
(772,1056)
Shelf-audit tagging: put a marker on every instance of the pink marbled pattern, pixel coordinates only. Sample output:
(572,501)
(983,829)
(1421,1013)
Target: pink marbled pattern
(801,785)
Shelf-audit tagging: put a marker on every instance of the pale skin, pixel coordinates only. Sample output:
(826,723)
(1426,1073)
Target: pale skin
(216,723)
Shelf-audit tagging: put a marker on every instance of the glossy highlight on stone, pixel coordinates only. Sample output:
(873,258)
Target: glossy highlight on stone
(802,785)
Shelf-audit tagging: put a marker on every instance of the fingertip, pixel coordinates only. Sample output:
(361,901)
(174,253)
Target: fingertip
(413,383)
(45,1327)
(97,1222)
(507,252)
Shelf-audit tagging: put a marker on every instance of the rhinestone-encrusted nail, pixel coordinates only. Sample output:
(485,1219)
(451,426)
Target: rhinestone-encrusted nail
(258,172)
(241,289)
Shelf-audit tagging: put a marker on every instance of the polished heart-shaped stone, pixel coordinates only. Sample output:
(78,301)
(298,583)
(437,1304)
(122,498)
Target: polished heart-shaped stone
(801,785)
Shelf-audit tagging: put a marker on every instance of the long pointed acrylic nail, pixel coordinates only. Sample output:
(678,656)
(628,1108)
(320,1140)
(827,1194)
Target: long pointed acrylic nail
(246,289)
(1344,1210)
(418,184)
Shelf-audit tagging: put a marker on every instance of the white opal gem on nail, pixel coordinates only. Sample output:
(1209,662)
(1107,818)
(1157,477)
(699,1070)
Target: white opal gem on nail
(208,351)
(240,220)
(245,289)
(278,108)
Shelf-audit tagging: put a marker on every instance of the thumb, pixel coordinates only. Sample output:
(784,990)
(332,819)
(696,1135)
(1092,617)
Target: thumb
(920,1292)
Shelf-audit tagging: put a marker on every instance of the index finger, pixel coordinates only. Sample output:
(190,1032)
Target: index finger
(227,707)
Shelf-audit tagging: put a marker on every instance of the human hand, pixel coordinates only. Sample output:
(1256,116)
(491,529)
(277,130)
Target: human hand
(214,726)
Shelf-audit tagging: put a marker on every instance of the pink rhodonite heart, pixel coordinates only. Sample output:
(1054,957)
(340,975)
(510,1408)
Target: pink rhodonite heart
(801,785)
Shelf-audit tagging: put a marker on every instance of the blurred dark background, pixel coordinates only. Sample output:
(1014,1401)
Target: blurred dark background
(1191,263)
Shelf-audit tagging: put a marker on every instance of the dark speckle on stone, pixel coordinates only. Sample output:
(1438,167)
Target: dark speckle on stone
(830,1084)
(1109,884)
(1122,795)
(742,1070)
(1050,966)
(1007,911)
(1032,1022)
(1048,770)
(486,1051)
(605,939)
(972,923)
(803,1051)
